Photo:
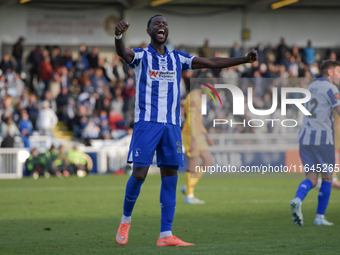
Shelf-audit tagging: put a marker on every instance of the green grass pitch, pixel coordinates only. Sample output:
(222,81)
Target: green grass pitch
(241,216)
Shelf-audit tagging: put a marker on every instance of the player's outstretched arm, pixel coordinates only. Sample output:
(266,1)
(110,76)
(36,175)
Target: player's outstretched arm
(218,63)
(125,53)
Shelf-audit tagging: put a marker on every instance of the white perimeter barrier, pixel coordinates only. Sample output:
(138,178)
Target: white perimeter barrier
(11,162)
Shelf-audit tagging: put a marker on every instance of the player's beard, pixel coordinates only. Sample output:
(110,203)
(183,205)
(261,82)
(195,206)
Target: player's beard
(154,37)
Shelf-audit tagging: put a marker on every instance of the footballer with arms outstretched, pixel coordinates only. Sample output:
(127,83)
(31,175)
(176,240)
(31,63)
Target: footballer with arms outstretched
(316,139)
(157,119)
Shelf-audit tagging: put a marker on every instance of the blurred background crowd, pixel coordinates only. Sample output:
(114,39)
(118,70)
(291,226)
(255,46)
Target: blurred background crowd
(94,97)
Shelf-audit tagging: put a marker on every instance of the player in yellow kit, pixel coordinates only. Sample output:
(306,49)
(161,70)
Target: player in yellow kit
(194,144)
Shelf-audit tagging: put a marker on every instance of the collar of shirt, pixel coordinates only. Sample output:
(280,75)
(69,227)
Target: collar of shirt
(323,79)
(153,51)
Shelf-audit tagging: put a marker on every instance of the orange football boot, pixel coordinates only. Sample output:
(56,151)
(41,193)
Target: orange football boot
(123,233)
(172,241)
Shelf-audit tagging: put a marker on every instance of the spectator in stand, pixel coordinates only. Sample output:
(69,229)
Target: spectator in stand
(61,102)
(48,97)
(281,52)
(46,72)
(117,103)
(33,110)
(99,81)
(17,53)
(117,124)
(8,130)
(47,119)
(35,58)
(129,90)
(6,63)
(70,113)
(25,128)
(117,68)
(236,52)
(81,65)
(67,59)
(296,54)
(93,58)
(3,86)
(104,125)
(332,56)
(17,86)
(106,104)
(293,68)
(104,67)
(91,131)
(260,52)
(56,59)
(205,51)
(8,109)
(80,121)
(309,54)
(181,48)
(83,50)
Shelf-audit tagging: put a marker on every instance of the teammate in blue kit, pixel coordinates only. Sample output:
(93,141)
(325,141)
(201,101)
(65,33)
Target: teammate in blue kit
(157,119)
(316,139)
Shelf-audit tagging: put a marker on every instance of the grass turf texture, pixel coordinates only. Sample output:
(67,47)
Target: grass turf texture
(241,216)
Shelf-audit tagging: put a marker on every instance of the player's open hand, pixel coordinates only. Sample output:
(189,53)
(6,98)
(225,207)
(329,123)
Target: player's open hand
(121,27)
(252,56)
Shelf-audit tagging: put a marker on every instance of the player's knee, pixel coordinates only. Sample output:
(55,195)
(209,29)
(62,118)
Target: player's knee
(139,173)
(327,179)
(139,177)
(314,181)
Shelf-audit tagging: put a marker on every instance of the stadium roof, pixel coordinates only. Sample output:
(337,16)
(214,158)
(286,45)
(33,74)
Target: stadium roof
(251,5)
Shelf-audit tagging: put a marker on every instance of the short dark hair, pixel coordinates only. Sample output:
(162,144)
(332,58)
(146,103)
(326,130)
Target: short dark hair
(157,15)
(328,64)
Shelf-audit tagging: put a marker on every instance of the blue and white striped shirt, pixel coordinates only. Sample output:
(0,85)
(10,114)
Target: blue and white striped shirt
(317,129)
(158,84)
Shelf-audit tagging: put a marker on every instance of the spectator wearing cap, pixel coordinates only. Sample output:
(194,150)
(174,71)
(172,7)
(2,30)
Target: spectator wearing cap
(47,119)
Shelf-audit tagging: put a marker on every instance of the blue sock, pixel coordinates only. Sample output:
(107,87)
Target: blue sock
(304,187)
(323,197)
(131,193)
(168,202)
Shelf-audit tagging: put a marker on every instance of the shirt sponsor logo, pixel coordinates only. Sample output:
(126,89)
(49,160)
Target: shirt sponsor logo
(162,75)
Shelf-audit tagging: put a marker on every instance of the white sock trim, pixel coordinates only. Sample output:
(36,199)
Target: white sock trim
(190,196)
(320,216)
(126,219)
(165,234)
